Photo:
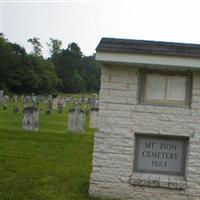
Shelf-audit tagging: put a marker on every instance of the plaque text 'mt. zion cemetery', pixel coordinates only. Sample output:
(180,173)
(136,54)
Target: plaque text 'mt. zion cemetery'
(163,155)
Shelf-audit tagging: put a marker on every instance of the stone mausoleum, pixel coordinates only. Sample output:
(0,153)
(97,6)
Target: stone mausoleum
(147,146)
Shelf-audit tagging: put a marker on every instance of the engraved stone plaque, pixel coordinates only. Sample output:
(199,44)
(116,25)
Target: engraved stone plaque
(162,155)
(31,119)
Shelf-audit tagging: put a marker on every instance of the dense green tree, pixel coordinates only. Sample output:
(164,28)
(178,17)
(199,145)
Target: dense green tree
(23,73)
(54,46)
(43,73)
(68,65)
(37,47)
(67,70)
(17,68)
(5,52)
(91,73)
(74,49)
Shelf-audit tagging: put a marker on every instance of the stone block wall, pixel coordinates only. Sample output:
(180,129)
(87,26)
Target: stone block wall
(120,117)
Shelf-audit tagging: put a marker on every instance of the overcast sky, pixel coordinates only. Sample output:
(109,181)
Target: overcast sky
(86,22)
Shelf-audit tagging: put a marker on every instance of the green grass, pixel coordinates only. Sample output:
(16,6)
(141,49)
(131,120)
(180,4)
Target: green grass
(50,164)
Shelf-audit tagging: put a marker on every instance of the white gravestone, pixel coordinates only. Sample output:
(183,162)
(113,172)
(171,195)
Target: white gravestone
(31,119)
(5,101)
(1,95)
(93,100)
(27,100)
(55,103)
(61,104)
(49,106)
(94,115)
(34,100)
(15,98)
(76,120)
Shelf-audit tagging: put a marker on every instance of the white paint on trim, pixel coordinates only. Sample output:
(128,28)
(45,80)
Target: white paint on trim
(148,59)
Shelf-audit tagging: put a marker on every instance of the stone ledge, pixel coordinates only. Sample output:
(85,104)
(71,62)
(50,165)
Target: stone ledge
(157,180)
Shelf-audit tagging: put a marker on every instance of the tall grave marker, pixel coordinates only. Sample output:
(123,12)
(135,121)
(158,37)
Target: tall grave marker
(1,95)
(94,114)
(31,119)
(76,120)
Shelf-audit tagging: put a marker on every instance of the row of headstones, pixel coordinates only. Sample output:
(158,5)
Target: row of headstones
(53,102)
(76,119)
(3,99)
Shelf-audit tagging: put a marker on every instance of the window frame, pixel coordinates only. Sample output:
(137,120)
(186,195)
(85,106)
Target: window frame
(172,103)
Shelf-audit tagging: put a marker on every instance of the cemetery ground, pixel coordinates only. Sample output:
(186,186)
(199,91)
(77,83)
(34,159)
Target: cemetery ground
(51,164)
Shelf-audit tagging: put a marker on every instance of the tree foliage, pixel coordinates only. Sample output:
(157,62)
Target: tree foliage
(54,46)
(37,47)
(78,73)
(66,70)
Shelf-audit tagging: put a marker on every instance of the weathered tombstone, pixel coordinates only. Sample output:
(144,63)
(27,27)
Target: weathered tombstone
(61,103)
(1,94)
(6,97)
(5,102)
(34,100)
(76,120)
(27,100)
(49,105)
(93,100)
(15,106)
(94,115)
(55,102)
(15,98)
(31,119)
(39,98)
(147,145)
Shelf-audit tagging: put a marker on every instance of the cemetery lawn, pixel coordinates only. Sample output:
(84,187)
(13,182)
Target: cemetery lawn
(50,164)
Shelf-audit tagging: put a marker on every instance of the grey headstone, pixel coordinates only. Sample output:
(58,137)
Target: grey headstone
(55,103)
(6,97)
(5,101)
(76,120)
(49,106)
(61,104)
(27,100)
(15,98)
(34,100)
(1,94)
(94,115)
(31,119)
(94,100)
(40,98)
